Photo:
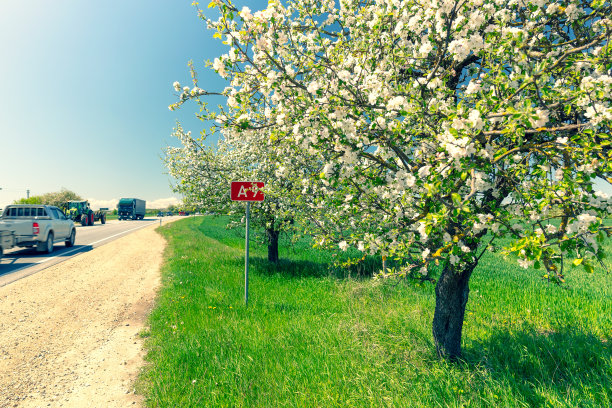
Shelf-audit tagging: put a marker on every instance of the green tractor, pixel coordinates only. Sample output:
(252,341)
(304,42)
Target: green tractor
(79,211)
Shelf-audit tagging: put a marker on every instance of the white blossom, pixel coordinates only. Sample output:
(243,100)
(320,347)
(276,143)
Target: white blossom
(525,263)
(473,87)
(542,118)
(425,253)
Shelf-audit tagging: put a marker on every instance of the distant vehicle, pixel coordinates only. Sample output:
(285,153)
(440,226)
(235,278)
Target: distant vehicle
(131,208)
(81,212)
(160,213)
(183,212)
(169,214)
(29,225)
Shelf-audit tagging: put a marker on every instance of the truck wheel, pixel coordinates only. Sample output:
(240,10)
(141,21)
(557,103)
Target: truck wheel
(46,247)
(91,219)
(70,240)
(83,220)
(103,219)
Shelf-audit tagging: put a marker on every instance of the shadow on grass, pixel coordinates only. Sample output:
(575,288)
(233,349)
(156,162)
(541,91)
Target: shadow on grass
(288,268)
(313,269)
(558,361)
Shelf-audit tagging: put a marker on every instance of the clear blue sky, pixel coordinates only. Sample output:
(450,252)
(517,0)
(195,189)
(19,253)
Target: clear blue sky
(84,93)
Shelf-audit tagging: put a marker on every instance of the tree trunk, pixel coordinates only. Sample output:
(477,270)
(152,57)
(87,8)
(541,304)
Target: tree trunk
(451,298)
(272,237)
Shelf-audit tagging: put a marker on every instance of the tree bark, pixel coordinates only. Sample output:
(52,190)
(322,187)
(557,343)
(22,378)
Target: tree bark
(452,291)
(272,237)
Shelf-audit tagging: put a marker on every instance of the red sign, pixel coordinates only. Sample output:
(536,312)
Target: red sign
(247,191)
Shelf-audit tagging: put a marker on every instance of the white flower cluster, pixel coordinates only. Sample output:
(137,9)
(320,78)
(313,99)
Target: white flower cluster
(540,118)
(462,47)
(582,223)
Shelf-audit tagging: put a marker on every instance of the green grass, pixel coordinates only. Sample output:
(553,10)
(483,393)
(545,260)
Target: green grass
(311,339)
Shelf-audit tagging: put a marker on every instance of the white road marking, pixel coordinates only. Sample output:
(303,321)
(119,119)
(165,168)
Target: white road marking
(53,257)
(112,236)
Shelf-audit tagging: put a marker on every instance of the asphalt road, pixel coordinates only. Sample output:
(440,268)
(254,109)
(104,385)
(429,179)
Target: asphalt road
(21,262)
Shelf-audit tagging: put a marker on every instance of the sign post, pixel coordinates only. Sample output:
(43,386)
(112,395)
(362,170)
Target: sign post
(246,257)
(246,191)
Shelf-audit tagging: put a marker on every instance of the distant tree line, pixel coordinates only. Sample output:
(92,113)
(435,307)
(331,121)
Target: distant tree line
(57,198)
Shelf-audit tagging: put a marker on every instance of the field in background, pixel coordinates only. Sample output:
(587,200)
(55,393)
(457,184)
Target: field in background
(312,337)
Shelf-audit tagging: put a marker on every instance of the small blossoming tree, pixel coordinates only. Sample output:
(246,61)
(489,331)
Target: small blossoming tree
(204,174)
(428,130)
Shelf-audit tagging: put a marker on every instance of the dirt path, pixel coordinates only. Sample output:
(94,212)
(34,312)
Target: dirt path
(69,335)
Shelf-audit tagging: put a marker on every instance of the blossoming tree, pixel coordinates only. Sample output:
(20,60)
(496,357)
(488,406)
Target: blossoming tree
(204,175)
(431,129)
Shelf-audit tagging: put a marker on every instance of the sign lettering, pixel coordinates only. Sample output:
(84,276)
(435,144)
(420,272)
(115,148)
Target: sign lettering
(246,191)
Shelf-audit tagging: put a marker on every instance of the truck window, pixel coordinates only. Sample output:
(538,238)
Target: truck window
(20,212)
(41,212)
(54,213)
(26,212)
(59,214)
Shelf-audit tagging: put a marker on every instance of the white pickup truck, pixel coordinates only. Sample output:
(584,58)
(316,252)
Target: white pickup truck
(29,225)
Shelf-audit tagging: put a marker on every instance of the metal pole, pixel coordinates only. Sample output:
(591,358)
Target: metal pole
(246,258)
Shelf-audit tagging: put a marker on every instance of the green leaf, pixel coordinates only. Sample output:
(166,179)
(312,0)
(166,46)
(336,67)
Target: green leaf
(578,261)
(456,198)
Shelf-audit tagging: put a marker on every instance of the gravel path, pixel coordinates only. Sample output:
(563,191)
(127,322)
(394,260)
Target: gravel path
(69,335)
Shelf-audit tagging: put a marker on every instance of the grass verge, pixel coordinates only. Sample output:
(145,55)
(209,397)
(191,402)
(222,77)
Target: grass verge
(310,339)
